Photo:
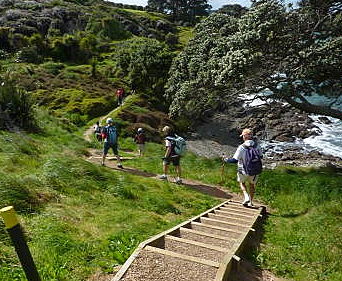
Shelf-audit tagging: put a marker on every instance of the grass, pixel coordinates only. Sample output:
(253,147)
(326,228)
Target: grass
(80,218)
(184,35)
(302,233)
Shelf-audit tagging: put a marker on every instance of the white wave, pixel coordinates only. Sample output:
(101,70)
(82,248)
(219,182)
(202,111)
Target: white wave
(330,139)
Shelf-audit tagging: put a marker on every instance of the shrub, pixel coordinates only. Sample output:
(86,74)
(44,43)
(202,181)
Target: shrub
(108,28)
(53,67)
(16,105)
(171,39)
(30,55)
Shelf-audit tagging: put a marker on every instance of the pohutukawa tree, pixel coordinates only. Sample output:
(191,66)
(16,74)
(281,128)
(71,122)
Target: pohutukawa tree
(294,54)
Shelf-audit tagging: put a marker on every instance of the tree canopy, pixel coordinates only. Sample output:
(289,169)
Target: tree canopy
(180,9)
(293,54)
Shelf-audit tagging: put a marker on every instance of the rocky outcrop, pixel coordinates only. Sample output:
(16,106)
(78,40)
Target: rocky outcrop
(275,121)
(34,17)
(279,127)
(29,17)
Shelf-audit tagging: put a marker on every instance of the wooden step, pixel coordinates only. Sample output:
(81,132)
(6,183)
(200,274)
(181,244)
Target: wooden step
(231,212)
(245,211)
(200,249)
(231,218)
(154,264)
(204,237)
(239,205)
(225,224)
(215,230)
(194,249)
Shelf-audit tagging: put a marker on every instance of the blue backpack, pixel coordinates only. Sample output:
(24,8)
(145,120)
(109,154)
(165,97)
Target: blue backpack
(111,134)
(179,144)
(252,163)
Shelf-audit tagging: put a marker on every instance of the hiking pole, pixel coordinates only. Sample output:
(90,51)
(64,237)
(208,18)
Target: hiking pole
(222,169)
(17,236)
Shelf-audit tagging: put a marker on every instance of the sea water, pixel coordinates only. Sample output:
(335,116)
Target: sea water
(329,138)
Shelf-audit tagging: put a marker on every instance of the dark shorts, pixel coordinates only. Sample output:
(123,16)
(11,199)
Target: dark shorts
(107,146)
(175,159)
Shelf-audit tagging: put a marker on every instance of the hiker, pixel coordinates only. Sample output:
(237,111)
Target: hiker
(248,156)
(170,154)
(97,131)
(140,140)
(110,136)
(120,95)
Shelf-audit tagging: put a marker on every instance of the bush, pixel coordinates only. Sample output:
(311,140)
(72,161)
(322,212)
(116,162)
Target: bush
(30,55)
(108,28)
(53,67)
(171,39)
(16,106)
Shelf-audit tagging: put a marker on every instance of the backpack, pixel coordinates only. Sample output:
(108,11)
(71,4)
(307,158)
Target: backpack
(110,134)
(98,130)
(140,138)
(179,144)
(252,164)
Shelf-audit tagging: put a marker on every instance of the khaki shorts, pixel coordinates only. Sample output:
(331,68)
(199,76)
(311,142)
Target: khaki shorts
(141,147)
(246,178)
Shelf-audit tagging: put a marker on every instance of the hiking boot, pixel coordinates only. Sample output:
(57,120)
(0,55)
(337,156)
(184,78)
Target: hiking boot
(163,177)
(179,181)
(120,166)
(250,204)
(246,202)
(102,164)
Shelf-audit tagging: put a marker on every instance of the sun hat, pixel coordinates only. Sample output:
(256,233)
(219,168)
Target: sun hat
(246,132)
(109,121)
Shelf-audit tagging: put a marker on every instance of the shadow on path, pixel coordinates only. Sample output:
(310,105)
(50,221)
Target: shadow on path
(211,190)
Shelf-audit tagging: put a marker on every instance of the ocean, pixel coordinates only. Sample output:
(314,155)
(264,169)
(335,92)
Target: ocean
(328,141)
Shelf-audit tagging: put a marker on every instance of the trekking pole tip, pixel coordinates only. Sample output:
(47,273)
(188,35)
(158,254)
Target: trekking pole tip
(9,216)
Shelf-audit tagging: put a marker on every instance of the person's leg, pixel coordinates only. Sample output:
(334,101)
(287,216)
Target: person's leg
(166,164)
(251,191)
(178,171)
(242,181)
(142,149)
(176,163)
(116,153)
(165,168)
(105,151)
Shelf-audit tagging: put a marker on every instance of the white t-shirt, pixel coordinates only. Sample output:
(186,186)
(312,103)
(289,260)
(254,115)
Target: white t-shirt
(240,154)
(168,143)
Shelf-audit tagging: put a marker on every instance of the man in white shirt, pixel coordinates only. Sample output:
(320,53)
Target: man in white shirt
(248,156)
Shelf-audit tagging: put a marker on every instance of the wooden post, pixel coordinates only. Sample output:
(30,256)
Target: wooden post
(15,232)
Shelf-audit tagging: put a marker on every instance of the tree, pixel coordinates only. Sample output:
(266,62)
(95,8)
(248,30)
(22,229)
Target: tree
(288,52)
(145,62)
(180,9)
(234,10)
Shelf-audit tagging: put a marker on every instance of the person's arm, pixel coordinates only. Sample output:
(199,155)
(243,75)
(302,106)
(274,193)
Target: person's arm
(168,149)
(167,152)
(230,160)
(235,158)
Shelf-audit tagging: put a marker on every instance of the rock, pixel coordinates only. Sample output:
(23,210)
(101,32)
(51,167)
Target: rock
(324,120)
(284,138)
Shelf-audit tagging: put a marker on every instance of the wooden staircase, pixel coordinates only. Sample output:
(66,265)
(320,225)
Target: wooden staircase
(203,248)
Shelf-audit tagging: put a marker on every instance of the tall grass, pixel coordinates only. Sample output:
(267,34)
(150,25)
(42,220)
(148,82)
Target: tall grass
(79,218)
